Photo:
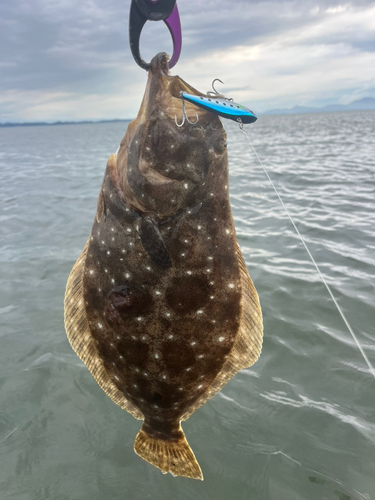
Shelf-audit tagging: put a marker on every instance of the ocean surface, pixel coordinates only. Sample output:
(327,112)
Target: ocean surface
(299,424)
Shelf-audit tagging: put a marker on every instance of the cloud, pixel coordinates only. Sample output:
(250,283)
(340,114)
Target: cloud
(71,60)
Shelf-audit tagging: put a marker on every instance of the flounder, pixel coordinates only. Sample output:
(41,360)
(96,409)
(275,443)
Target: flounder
(160,305)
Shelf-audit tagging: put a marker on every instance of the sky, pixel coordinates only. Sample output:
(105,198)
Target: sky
(70,60)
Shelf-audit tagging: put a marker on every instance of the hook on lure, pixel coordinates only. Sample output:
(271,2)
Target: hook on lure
(184,116)
(218,104)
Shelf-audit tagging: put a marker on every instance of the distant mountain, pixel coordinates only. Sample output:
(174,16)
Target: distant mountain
(367,103)
(31,124)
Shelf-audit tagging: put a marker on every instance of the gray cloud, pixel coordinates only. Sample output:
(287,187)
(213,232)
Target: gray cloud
(82,47)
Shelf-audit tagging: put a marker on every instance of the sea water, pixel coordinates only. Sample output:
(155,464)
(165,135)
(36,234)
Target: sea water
(299,424)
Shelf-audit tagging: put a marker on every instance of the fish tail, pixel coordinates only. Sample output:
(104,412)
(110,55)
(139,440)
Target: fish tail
(172,455)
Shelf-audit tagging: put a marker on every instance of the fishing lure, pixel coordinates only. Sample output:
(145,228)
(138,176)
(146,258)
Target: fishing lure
(217,104)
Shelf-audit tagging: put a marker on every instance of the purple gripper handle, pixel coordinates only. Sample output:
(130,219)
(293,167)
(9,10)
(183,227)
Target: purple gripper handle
(174,25)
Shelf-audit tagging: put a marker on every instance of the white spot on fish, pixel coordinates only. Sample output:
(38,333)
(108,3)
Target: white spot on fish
(103,242)
(227,231)
(156,356)
(135,386)
(200,386)
(231,285)
(123,250)
(157,292)
(128,230)
(180,389)
(112,281)
(208,270)
(108,252)
(168,314)
(188,369)
(127,275)
(100,325)
(210,258)
(148,268)
(91,271)
(139,318)
(170,337)
(186,185)
(212,297)
(172,146)
(183,255)
(106,270)
(200,311)
(188,272)
(199,227)
(200,356)
(212,195)
(193,343)
(116,377)
(113,229)
(212,282)
(221,339)
(186,241)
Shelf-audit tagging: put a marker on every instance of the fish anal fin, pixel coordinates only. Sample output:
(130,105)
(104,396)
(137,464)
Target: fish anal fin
(248,344)
(174,456)
(79,335)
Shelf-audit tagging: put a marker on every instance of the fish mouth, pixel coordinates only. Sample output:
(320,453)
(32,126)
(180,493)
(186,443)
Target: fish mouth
(162,167)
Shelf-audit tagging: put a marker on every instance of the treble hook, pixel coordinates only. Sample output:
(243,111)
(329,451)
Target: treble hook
(184,116)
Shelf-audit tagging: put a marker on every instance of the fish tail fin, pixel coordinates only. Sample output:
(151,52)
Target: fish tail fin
(174,456)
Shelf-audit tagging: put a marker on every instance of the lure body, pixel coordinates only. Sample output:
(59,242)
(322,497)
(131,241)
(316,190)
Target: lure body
(222,107)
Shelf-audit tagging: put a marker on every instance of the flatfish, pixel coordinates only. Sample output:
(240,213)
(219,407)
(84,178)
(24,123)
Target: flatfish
(159,305)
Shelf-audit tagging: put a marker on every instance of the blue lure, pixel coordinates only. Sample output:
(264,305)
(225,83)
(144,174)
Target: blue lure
(222,107)
(219,105)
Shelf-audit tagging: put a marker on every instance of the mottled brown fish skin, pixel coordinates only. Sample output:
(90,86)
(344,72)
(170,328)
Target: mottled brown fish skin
(162,283)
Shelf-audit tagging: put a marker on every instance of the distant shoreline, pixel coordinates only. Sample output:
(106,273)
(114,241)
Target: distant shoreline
(43,124)
(296,110)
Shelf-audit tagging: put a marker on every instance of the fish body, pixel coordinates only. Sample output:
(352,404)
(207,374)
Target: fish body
(159,305)
(222,107)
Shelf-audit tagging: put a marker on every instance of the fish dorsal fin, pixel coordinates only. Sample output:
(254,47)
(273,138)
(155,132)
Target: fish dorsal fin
(248,343)
(80,338)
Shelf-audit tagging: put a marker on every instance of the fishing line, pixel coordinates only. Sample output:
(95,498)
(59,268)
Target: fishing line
(311,257)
